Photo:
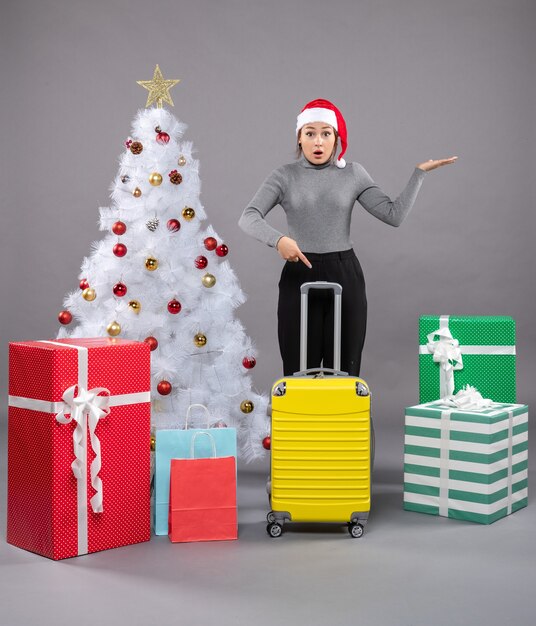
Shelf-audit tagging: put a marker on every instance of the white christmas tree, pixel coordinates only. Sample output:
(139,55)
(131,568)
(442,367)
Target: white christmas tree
(160,276)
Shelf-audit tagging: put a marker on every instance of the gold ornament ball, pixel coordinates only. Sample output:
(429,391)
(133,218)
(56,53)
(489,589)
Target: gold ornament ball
(246,406)
(137,192)
(208,280)
(89,294)
(114,328)
(181,161)
(188,213)
(155,179)
(200,340)
(153,443)
(151,263)
(135,305)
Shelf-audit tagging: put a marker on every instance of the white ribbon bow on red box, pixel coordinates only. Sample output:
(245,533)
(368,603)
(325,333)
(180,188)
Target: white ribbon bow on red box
(86,409)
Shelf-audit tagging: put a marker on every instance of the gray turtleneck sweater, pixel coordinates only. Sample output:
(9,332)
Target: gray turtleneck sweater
(318,202)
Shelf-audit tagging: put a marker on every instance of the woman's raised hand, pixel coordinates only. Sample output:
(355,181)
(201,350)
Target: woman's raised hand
(289,250)
(431,164)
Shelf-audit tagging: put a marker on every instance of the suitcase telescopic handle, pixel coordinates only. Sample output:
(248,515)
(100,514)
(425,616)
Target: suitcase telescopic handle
(320,370)
(337,291)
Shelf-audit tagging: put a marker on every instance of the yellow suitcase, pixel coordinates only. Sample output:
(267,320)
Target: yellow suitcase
(320,440)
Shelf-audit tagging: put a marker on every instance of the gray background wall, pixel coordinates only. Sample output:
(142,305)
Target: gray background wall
(416,80)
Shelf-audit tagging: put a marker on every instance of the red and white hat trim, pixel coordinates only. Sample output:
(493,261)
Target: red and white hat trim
(316,115)
(325,111)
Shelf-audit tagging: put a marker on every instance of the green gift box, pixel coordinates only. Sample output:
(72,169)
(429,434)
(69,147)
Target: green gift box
(466,464)
(455,351)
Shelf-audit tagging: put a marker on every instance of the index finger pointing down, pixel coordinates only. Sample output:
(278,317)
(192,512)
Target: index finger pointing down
(304,259)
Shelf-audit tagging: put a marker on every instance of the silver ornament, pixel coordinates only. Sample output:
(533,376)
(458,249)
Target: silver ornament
(152,224)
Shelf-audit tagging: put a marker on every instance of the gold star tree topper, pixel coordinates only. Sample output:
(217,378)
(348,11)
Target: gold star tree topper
(158,89)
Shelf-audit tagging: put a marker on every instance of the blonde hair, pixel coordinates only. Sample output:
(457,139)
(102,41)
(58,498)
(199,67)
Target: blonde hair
(335,147)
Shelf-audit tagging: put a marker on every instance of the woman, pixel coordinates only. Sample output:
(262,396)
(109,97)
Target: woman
(318,193)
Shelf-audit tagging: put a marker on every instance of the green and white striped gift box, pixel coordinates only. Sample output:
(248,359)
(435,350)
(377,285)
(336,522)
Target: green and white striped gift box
(466,464)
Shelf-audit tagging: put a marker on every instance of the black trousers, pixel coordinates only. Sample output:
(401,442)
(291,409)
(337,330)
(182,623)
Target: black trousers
(338,267)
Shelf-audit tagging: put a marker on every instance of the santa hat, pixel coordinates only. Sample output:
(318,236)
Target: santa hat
(324,111)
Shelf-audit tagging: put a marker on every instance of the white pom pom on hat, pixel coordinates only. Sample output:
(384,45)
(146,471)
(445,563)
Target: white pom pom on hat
(325,111)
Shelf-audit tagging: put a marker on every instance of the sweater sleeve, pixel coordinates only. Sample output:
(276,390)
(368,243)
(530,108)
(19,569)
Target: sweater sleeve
(377,203)
(252,221)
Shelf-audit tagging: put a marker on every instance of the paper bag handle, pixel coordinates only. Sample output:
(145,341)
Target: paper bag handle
(212,443)
(202,406)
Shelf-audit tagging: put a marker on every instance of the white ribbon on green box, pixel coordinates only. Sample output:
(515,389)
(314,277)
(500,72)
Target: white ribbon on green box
(509,477)
(468,399)
(447,352)
(444,463)
(85,407)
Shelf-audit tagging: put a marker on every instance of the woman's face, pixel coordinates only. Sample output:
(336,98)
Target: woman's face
(317,142)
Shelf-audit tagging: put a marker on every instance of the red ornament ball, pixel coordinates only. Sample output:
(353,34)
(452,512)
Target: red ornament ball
(162,138)
(210,243)
(120,249)
(174,307)
(266,443)
(120,290)
(84,284)
(65,317)
(119,228)
(201,262)
(152,341)
(249,362)
(164,388)
(222,250)
(173,225)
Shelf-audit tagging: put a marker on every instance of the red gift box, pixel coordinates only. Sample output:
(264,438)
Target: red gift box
(78,445)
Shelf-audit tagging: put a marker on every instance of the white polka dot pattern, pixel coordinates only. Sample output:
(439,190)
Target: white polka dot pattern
(42,490)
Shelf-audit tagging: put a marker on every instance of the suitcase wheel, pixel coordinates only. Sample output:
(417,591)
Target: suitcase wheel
(270,518)
(274,530)
(355,530)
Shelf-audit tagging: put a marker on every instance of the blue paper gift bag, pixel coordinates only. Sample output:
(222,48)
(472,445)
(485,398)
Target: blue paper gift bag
(175,444)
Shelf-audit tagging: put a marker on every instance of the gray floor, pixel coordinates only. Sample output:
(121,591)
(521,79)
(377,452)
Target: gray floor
(408,569)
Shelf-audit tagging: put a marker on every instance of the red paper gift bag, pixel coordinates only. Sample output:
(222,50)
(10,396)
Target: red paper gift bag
(202,497)
(78,452)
